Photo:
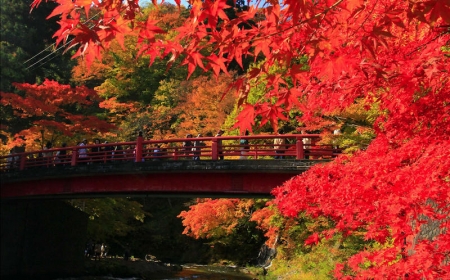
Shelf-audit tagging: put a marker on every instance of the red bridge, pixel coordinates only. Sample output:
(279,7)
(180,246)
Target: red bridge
(162,167)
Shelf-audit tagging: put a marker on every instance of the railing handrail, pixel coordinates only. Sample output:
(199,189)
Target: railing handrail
(142,148)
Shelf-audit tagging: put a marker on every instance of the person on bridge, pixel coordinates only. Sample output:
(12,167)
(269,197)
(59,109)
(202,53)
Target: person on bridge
(61,156)
(279,145)
(13,159)
(198,144)
(306,144)
(119,153)
(187,145)
(244,146)
(48,156)
(82,152)
(157,152)
(130,153)
(96,152)
(219,144)
(109,152)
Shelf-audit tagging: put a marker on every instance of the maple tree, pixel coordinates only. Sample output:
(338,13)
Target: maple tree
(226,225)
(27,55)
(52,111)
(392,53)
(213,217)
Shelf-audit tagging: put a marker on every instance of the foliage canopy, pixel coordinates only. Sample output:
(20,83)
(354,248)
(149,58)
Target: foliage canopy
(386,52)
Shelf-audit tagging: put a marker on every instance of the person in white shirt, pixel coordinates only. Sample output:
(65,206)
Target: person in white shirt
(82,152)
(279,145)
(306,145)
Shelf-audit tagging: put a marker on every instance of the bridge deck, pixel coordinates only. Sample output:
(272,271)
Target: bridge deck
(165,167)
(197,178)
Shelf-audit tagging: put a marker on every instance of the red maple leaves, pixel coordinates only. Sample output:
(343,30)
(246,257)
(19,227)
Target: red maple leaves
(394,53)
(387,196)
(53,109)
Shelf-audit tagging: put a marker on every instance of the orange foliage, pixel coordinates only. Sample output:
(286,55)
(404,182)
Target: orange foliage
(263,218)
(81,74)
(203,110)
(214,217)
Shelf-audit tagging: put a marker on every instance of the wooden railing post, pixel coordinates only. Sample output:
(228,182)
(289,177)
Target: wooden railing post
(74,157)
(214,151)
(299,148)
(139,147)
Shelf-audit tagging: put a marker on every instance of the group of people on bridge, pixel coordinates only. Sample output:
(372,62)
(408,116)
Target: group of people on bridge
(191,148)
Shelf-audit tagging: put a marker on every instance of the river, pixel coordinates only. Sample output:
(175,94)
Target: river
(207,272)
(188,272)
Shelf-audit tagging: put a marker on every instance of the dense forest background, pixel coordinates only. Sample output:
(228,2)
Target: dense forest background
(350,218)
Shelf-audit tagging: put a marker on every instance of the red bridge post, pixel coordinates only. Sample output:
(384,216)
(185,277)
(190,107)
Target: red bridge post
(214,148)
(139,147)
(300,149)
(74,157)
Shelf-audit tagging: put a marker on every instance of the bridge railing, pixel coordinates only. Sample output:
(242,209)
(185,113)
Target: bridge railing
(259,147)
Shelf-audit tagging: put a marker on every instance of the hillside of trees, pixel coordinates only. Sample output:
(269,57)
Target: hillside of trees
(376,71)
